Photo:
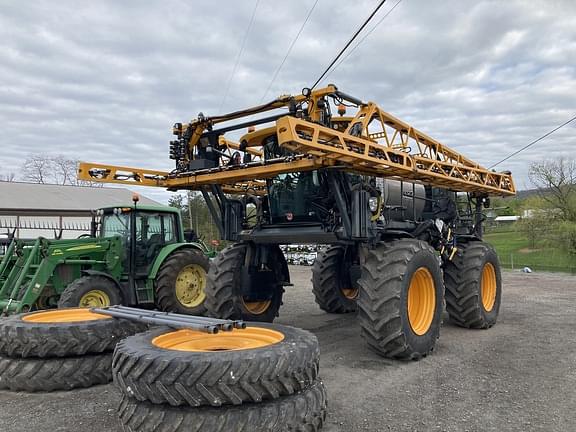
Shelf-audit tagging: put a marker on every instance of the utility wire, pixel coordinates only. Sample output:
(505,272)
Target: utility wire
(364,38)
(534,142)
(349,42)
(288,52)
(228,85)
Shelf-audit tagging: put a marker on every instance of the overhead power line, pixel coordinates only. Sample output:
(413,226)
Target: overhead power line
(534,142)
(363,38)
(289,51)
(349,42)
(237,62)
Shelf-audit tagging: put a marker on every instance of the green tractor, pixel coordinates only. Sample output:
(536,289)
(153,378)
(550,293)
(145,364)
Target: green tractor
(135,255)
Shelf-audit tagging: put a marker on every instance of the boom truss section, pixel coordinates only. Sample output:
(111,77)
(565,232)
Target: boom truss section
(372,142)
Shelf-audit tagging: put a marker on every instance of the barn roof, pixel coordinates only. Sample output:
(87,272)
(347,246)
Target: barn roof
(45,199)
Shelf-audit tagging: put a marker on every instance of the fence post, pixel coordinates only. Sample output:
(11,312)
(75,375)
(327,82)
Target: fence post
(512,260)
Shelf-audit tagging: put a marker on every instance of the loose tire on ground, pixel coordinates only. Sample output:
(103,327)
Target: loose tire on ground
(304,411)
(62,333)
(216,369)
(45,375)
(181,282)
(90,291)
(401,299)
(332,285)
(224,296)
(473,286)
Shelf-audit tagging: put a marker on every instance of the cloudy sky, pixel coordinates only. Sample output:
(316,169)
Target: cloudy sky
(104,81)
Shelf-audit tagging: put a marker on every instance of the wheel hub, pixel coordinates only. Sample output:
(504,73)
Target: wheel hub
(94,298)
(488,287)
(257,307)
(64,315)
(190,285)
(350,293)
(235,340)
(421,301)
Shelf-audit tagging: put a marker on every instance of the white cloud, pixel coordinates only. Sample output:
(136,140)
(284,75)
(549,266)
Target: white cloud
(104,81)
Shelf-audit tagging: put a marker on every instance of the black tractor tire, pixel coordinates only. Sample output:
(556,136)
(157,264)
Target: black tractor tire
(464,281)
(333,289)
(168,275)
(385,283)
(19,338)
(305,412)
(147,372)
(46,375)
(224,298)
(74,295)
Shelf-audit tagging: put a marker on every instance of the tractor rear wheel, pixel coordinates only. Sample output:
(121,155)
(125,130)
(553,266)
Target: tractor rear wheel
(401,299)
(90,291)
(334,289)
(227,298)
(181,282)
(473,286)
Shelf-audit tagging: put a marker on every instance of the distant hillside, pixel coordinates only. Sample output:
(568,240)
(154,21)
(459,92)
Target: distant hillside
(526,193)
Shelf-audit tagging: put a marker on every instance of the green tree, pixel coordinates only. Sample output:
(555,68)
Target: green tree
(556,184)
(196,216)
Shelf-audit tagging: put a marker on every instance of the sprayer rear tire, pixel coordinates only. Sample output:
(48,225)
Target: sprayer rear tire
(305,412)
(331,283)
(45,375)
(146,372)
(20,338)
(464,286)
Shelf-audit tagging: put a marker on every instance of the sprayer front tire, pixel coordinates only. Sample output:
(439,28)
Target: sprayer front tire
(401,299)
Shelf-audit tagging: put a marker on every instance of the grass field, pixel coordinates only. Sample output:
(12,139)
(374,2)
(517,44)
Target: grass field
(515,252)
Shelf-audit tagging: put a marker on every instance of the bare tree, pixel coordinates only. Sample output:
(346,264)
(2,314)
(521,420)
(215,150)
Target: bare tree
(37,169)
(11,177)
(64,170)
(53,170)
(556,183)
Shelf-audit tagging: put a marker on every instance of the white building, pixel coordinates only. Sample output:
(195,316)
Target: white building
(29,210)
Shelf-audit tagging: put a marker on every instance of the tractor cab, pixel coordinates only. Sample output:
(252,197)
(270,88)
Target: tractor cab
(144,232)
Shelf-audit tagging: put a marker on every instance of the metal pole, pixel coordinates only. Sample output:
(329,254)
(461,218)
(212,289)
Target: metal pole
(217,321)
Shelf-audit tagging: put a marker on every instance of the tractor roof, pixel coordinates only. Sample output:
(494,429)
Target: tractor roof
(150,208)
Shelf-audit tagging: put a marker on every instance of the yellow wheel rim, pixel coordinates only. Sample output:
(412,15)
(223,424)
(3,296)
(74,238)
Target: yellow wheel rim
(257,307)
(94,298)
(421,301)
(350,293)
(235,340)
(64,316)
(190,285)
(488,287)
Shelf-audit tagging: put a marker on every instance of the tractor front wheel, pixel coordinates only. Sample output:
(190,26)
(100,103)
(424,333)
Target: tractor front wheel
(181,282)
(90,291)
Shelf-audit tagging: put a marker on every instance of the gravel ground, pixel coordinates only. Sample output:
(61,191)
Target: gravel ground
(518,376)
